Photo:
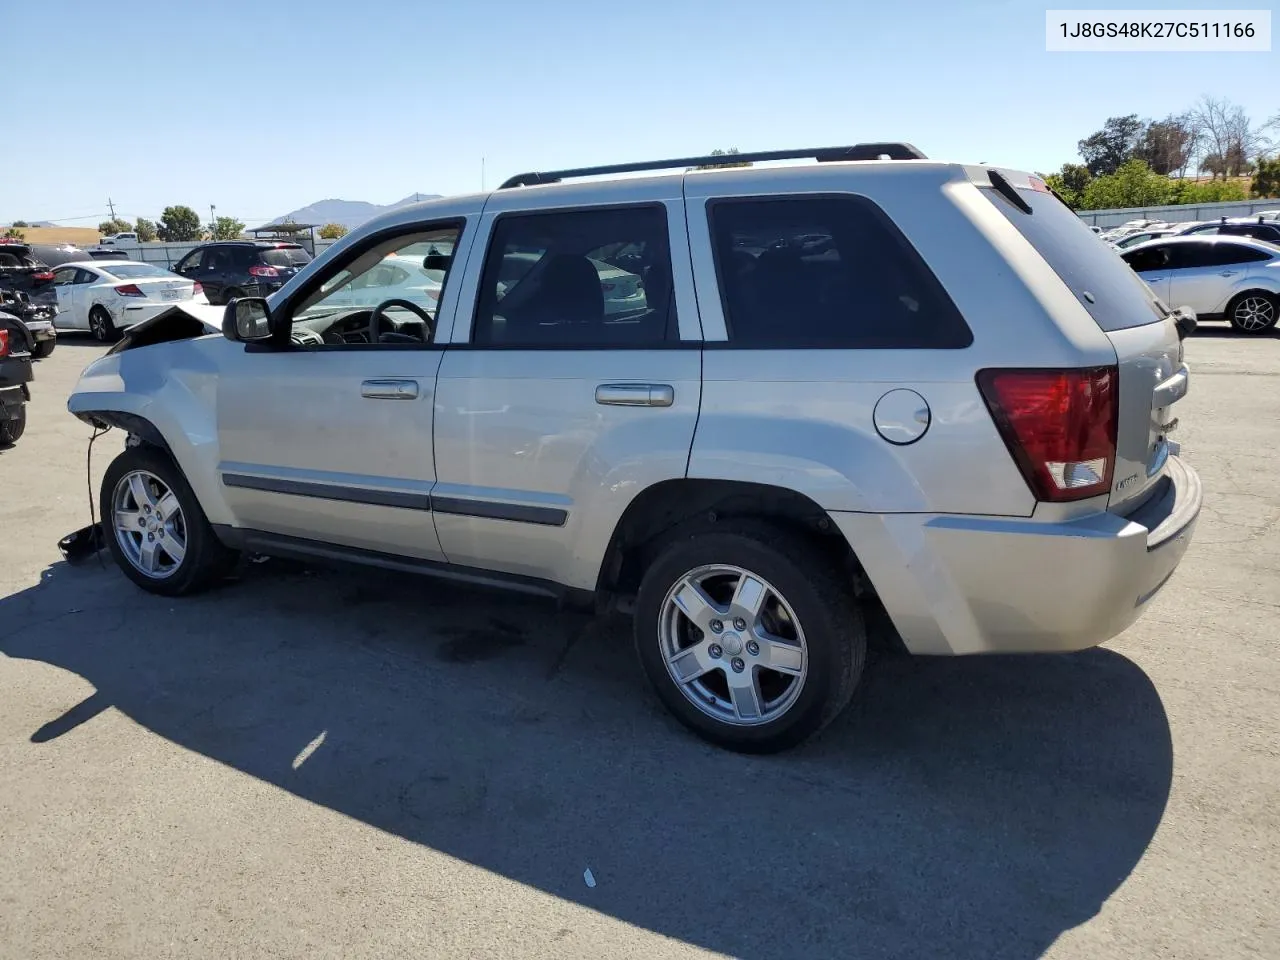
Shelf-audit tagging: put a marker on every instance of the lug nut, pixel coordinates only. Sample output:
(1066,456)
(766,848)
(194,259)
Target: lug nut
(717,626)
(151,536)
(146,507)
(738,665)
(753,648)
(739,624)
(142,522)
(716,651)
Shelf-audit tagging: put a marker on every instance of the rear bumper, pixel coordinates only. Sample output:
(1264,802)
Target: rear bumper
(42,330)
(963,584)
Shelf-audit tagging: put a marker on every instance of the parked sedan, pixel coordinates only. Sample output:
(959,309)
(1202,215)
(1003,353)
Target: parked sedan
(1133,239)
(106,297)
(1219,277)
(396,277)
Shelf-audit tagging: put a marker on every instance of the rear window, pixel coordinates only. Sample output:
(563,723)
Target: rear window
(284,256)
(1103,283)
(135,271)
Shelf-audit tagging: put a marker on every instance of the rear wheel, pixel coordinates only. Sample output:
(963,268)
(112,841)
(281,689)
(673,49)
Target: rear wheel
(11,430)
(1254,311)
(155,528)
(43,349)
(749,635)
(101,325)
(232,294)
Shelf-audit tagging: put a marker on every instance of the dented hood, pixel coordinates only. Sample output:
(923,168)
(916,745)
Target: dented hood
(180,322)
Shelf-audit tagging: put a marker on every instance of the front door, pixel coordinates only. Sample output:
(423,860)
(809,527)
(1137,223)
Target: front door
(329,439)
(574,386)
(65,288)
(1197,279)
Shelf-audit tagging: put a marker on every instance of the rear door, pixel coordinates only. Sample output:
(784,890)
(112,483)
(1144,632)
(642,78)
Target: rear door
(1148,350)
(1198,278)
(554,408)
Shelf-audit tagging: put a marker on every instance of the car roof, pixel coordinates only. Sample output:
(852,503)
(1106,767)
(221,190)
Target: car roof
(1262,245)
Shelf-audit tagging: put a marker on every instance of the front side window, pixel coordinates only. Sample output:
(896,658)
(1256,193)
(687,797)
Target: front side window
(404,276)
(580,278)
(190,262)
(826,272)
(1149,259)
(65,277)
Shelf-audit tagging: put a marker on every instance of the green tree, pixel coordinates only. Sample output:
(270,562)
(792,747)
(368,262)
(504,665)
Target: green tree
(225,228)
(730,153)
(179,224)
(1070,183)
(1166,145)
(1107,150)
(1266,179)
(21,223)
(13,233)
(145,229)
(1215,191)
(1133,185)
(108,227)
(332,231)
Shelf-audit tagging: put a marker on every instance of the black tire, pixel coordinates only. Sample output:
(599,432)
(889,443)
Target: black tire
(817,591)
(11,430)
(102,326)
(232,294)
(205,561)
(43,348)
(1243,311)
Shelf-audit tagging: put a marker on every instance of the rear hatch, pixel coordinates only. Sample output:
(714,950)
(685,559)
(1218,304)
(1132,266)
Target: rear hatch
(1142,330)
(21,271)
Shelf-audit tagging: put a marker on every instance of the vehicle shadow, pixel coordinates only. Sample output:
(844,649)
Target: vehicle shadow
(1224,331)
(962,808)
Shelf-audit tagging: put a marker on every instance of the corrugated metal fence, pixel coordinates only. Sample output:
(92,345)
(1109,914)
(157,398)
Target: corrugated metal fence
(1180,213)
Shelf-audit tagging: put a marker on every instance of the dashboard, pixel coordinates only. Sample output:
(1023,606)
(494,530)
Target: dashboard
(352,326)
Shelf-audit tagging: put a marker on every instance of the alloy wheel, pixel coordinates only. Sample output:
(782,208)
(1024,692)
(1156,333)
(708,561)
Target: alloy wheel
(1255,313)
(149,524)
(733,645)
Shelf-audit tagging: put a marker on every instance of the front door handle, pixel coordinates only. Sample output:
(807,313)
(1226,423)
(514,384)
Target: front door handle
(1227,273)
(635,394)
(389,389)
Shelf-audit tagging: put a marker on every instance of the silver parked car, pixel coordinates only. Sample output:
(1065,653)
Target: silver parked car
(1218,277)
(870,381)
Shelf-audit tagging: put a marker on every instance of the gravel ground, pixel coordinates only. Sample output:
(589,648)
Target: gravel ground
(321,764)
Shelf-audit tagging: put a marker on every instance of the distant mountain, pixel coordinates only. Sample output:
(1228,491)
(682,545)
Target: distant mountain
(349,213)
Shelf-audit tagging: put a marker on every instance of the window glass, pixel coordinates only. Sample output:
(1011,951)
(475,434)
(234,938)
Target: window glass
(1150,258)
(84,276)
(1224,254)
(191,261)
(63,278)
(284,256)
(803,272)
(135,271)
(582,278)
(413,268)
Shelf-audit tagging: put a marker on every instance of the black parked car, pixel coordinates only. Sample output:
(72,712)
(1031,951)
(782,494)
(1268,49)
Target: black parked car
(22,271)
(242,268)
(1259,229)
(38,317)
(15,373)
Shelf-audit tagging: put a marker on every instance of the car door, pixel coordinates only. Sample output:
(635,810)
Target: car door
(328,440)
(1152,263)
(191,265)
(554,411)
(70,316)
(1197,279)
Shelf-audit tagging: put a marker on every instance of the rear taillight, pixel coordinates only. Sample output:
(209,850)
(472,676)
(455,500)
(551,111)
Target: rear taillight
(44,276)
(260,271)
(129,290)
(196,289)
(1059,425)
(4,343)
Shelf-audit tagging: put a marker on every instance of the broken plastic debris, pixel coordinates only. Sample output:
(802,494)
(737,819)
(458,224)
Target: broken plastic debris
(588,876)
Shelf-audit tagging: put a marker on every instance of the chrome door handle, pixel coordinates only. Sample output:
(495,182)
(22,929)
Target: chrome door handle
(389,389)
(1227,273)
(635,394)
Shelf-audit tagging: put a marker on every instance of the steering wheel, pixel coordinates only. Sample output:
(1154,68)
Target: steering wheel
(376,316)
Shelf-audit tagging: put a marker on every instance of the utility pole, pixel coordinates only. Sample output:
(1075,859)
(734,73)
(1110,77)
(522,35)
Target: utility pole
(482,174)
(212,219)
(112,207)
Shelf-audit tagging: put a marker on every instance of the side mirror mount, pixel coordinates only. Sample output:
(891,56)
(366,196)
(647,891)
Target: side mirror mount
(436,261)
(1185,318)
(247,320)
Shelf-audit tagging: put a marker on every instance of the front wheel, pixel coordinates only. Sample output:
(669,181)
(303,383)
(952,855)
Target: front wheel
(43,349)
(1254,311)
(155,527)
(749,635)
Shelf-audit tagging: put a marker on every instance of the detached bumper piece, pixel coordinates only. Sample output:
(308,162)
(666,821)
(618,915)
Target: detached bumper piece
(83,544)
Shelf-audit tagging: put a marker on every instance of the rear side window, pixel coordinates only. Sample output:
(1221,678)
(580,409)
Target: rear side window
(813,272)
(1224,254)
(1116,297)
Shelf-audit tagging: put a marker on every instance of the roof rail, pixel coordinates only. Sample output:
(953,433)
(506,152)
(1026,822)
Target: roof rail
(859,151)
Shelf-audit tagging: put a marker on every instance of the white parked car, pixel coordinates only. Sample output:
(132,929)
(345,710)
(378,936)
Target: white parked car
(397,276)
(117,238)
(1219,277)
(1143,236)
(107,296)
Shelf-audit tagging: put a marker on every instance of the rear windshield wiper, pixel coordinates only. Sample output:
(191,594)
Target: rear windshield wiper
(1006,190)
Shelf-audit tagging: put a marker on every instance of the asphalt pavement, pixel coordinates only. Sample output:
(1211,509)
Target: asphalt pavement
(315,763)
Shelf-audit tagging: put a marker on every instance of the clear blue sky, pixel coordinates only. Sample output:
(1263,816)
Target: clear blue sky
(261,108)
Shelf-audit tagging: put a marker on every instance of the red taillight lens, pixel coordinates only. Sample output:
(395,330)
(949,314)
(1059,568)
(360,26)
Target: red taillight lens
(44,276)
(129,290)
(1059,425)
(4,343)
(258,271)
(196,289)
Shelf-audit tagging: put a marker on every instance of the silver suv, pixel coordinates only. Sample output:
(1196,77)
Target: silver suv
(748,405)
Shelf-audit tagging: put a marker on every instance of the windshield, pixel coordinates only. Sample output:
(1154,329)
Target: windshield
(136,271)
(285,257)
(410,268)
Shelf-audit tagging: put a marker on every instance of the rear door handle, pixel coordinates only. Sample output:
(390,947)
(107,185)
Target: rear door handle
(389,389)
(635,394)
